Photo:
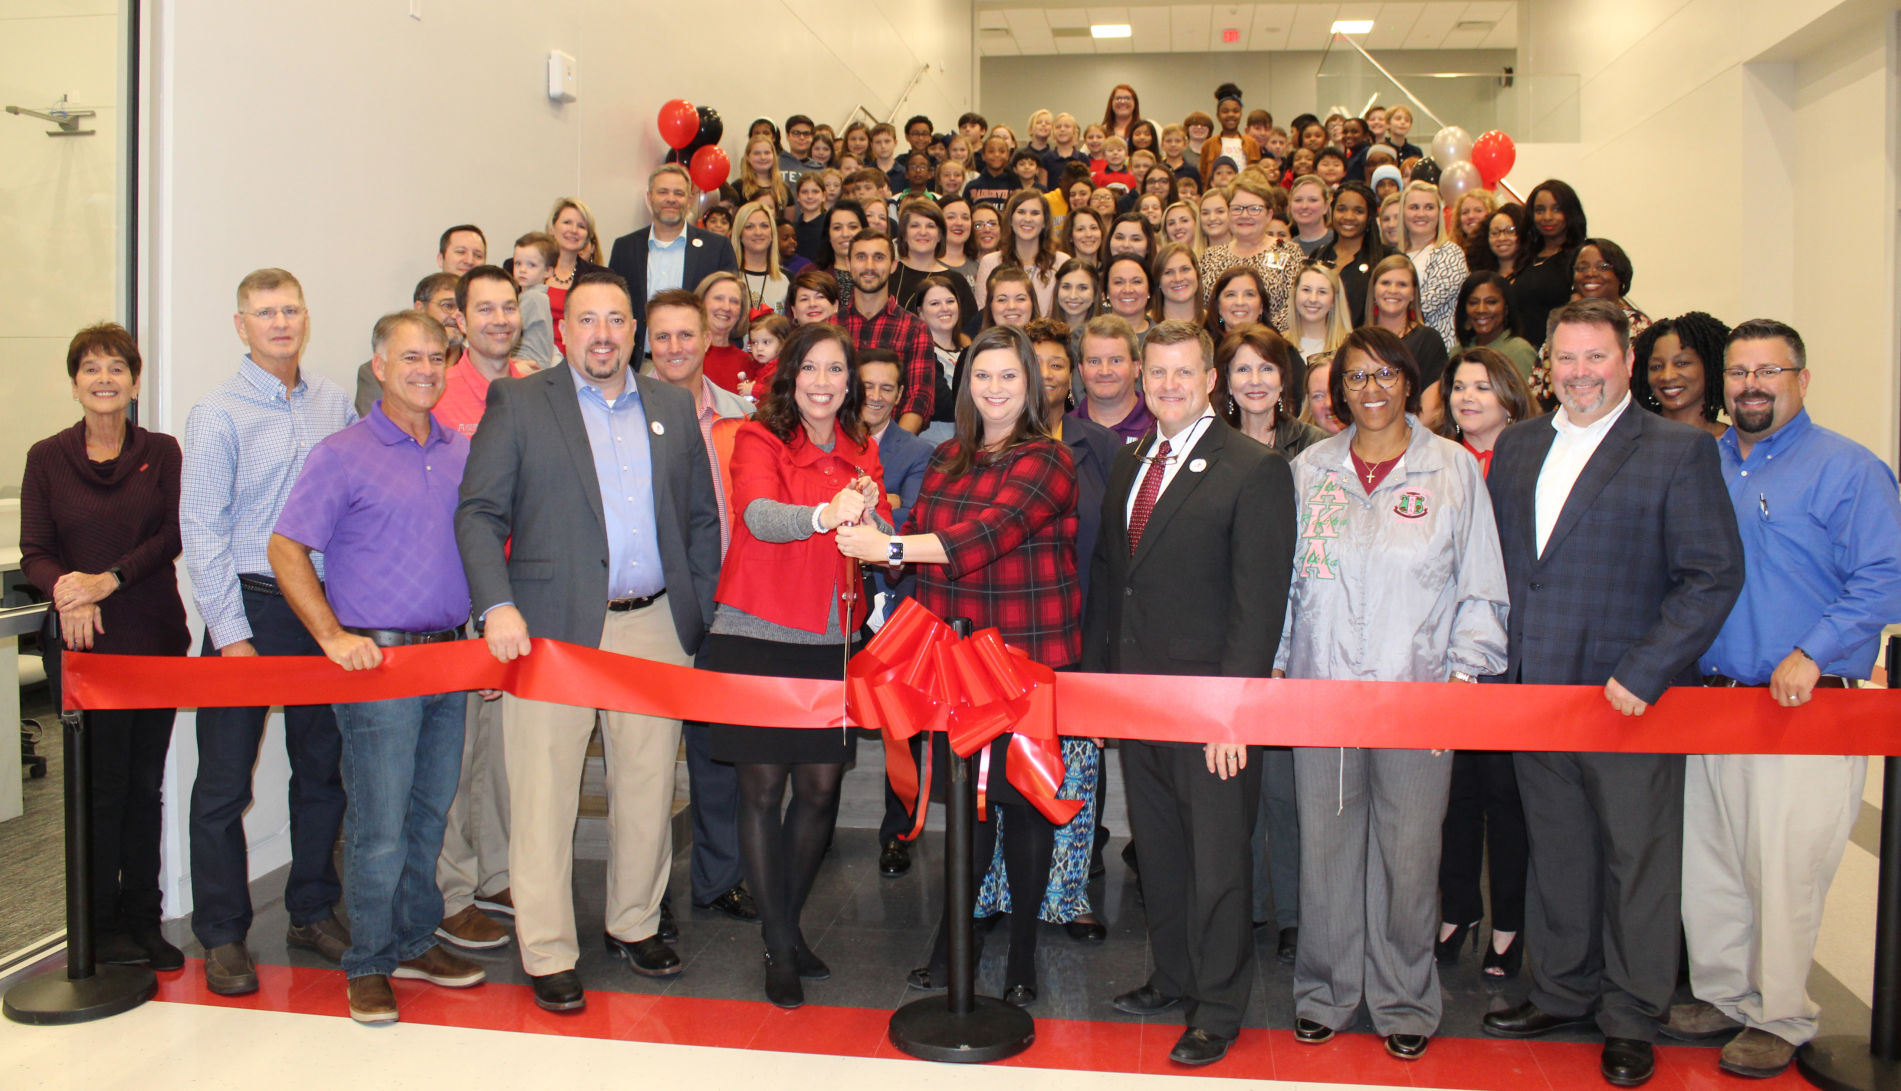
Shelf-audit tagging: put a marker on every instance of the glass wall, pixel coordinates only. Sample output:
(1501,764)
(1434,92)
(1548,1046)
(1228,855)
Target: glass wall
(1540,108)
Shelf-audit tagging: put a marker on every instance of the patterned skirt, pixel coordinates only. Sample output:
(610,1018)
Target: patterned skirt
(1067,896)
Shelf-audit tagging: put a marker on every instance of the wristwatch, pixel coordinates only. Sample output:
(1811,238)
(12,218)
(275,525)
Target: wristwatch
(117,573)
(896,553)
(1461,676)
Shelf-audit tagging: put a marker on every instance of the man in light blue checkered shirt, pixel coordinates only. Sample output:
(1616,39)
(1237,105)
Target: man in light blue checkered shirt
(245,445)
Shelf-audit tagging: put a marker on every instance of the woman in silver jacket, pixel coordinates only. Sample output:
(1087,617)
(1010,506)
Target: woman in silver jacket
(1397,578)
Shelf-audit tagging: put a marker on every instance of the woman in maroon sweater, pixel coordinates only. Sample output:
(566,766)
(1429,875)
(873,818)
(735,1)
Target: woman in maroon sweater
(98,535)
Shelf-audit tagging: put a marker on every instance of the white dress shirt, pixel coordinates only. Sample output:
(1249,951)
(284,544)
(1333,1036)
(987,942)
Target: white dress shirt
(1179,445)
(1575,445)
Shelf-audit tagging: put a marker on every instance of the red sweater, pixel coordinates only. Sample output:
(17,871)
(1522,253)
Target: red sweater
(77,515)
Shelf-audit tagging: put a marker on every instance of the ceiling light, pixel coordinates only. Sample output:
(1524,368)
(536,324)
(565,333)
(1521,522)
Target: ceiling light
(1110,30)
(1352,26)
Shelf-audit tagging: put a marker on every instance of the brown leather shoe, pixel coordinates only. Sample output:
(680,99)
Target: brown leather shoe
(1756,1054)
(439,967)
(502,901)
(371,1000)
(229,971)
(473,929)
(329,937)
(1698,1021)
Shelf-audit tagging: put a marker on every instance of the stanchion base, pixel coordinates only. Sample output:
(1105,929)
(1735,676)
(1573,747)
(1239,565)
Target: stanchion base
(1843,1063)
(992,1031)
(53,998)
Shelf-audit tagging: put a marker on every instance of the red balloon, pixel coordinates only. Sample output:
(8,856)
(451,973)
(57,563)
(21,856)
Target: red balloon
(710,167)
(679,123)
(1493,154)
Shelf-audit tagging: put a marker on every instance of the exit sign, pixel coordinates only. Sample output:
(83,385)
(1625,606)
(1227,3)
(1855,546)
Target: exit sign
(1231,35)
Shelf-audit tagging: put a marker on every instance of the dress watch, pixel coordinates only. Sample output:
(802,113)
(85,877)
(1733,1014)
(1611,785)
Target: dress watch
(1461,676)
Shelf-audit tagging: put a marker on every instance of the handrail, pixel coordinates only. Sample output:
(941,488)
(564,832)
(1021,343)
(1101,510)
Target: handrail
(21,620)
(896,105)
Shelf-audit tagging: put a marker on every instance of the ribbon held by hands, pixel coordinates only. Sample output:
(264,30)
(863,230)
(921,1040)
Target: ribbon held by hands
(917,676)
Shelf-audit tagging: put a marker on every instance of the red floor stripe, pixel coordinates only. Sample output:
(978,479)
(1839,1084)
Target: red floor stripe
(1470,1064)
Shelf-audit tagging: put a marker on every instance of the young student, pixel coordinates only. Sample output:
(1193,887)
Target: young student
(1093,136)
(763,342)
(884,153)
(995,185)
(1114,173)
(1026,167)
(535,254)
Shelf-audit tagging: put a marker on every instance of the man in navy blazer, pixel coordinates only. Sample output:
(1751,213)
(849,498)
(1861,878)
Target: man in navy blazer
(1623,560)
(670,253)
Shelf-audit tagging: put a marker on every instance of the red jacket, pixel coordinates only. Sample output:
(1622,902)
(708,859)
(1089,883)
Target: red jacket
(791,583)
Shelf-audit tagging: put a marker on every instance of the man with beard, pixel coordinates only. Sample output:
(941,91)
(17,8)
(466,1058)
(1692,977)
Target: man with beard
(588,515)
(874,319)
(1764,833)
(1623,560)
(669,253)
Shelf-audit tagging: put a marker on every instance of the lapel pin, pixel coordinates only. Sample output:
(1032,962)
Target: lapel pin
(696,242)
(1198,465)
(658,428)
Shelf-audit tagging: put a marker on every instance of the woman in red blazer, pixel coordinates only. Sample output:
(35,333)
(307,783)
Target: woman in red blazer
(786,603)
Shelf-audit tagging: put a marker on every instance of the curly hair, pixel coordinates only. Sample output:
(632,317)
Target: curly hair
(1701,333)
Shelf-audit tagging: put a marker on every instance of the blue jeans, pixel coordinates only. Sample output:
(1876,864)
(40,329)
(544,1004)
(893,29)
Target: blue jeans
(401,760)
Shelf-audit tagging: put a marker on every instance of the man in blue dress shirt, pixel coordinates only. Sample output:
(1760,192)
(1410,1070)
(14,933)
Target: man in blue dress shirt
(1763,834)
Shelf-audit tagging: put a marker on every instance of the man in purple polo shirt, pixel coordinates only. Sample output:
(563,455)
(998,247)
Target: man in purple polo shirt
(378,501)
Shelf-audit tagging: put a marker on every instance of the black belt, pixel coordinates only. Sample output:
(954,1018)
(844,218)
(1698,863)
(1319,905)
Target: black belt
(1827,681)
(396,638)
(263,585)
(621,606)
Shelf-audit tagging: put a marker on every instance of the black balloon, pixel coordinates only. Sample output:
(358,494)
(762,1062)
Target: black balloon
(711,128)
(1426,171)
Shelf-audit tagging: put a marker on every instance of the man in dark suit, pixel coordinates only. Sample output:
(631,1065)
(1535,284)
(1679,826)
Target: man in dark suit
(1191,572)
(670,253)
(1623,561)
(600,478)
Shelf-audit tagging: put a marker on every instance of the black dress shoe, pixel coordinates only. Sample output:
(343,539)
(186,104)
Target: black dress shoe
(1128,858)
(118,949)
(928,979)
(559,991)
(1144,1000)
(1309,1033)
(159,951)
(1407,1047)
(1287,947)
(810,966)
(1019,996)
(782,980)
(1528,1020)
(895,858)
(735,903)
(1627,1062)
(1198,1047)
(1086,931)
(650,957)
(669,930)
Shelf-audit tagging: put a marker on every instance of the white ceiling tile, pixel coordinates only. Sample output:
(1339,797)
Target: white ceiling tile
(1108,15)
(1488,10)
(1464,39)
(1272,22)
(1312,26)
(1083,44)
(1027,20)
(1391,26)
(1066,17)
(1435,21)
(998,45)
(1038,42)
(1149,30)
(992,19)
(1504,33)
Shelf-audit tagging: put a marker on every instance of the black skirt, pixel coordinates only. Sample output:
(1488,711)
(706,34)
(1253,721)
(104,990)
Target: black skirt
(729,654)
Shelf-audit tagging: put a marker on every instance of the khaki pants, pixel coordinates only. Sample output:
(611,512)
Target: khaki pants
(1762,837)
(546,745)
(474,856)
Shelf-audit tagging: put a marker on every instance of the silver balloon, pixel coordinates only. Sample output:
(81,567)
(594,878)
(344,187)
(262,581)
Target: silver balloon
(1458,180)
(703,200)
(1452,145)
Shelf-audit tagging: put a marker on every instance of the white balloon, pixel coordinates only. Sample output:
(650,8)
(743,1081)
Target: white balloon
(1452,145)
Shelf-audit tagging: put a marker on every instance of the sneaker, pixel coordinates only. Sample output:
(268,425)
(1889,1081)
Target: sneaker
(1756,1054)
(502,901)
(328,937)
(438,967)
(229,970)
(371,1000)
(473,929)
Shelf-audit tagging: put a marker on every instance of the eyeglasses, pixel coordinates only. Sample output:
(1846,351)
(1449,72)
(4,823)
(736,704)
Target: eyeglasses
(1503,232)
(269,314)
(1387,377)
(1767,373)
(1246,210)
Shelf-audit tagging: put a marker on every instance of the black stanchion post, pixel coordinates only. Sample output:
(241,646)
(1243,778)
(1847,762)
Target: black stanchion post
(84,992)
(1846,1062)
(961,1026)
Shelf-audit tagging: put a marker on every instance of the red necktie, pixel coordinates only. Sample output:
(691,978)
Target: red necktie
(1145,496)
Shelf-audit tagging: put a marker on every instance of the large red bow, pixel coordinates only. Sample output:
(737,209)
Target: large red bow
(916,676)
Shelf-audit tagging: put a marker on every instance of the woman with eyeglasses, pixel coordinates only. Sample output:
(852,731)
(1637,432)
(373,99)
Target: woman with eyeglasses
(1277,260)
(1398,577)
(1355,247)
(1495,248)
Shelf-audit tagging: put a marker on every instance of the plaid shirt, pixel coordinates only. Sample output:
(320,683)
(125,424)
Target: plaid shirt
(905,334)
(1009,529)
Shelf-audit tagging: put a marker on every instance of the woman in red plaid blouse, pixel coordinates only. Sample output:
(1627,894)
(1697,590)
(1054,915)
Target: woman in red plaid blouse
(993,536)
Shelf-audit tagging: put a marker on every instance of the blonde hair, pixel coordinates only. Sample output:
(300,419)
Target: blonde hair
(1336,321)
(739,249)
(742,325)
(751,185)
(1030,125)
(1484,197)
(1199,244)
(593,249)
(1115,142)
(1438,219)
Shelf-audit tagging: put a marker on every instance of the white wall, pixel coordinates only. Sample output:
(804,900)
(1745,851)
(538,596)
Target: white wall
(1173,85)
(1743,152)
(338,139)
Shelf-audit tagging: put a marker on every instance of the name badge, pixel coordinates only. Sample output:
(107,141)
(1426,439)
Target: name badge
(1198,465)
(658,428)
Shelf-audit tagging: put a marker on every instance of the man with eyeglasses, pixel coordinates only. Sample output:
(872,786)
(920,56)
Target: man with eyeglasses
(796,160)
(1190,576)
(245,445)
(1623,561)
(435,297)
(1763,834)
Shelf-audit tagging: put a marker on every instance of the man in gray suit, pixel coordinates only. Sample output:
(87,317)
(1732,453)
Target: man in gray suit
(599,478)
(1623,560)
